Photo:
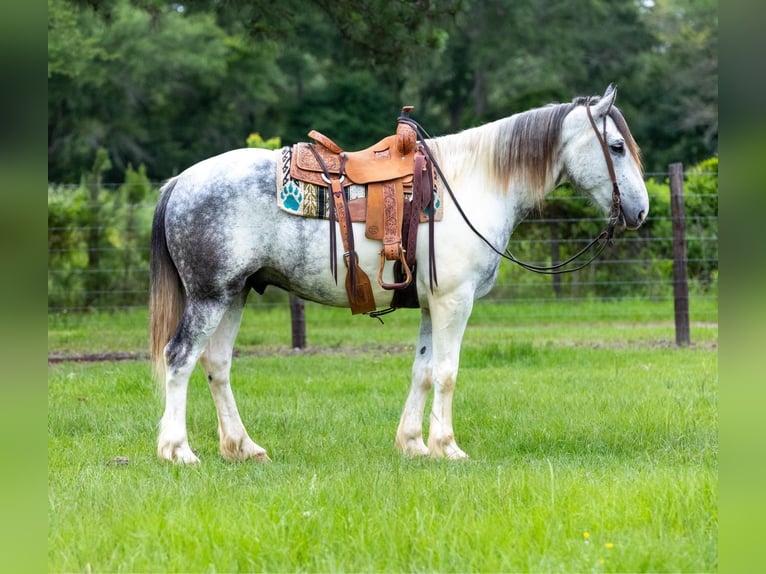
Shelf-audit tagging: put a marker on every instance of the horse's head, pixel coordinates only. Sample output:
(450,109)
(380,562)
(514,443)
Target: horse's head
(598,150)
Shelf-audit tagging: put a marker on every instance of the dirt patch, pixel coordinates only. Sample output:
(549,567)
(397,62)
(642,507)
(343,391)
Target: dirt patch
(656,344)
(365,350)
(271,351)
(54,358)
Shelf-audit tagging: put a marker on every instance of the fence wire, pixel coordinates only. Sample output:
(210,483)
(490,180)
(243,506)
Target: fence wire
(98,258)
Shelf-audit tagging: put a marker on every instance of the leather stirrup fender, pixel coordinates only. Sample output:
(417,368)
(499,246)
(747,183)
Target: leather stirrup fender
(358,286)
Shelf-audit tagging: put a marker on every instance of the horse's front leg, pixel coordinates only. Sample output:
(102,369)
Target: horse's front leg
(409,435)
(449,315)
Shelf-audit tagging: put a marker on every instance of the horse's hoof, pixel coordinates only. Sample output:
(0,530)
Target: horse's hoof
(180,454)
(262,457)
(413,448)
(449,450)
(454,453)
(246,449)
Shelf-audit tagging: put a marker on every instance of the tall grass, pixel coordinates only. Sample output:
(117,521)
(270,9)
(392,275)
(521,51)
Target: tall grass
(593,448)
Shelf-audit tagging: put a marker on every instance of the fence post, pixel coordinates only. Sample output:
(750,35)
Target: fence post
(680,280)
(298,321)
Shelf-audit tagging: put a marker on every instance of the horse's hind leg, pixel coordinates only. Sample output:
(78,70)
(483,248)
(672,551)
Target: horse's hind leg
(409,435)
(235,443)
(200,319)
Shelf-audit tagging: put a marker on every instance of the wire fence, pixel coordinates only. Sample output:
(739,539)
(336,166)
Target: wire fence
(98,250)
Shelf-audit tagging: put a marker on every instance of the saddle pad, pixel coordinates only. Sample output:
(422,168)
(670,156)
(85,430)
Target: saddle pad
(314,201)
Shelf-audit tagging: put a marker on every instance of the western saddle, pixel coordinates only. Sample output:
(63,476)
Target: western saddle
(399,179)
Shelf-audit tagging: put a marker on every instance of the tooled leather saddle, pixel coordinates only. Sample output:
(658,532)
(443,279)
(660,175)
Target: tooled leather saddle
(400,186)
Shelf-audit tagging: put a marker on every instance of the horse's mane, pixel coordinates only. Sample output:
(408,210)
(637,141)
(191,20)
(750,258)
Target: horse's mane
(523,148)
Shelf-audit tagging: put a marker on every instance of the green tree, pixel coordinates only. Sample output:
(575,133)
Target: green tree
(166,84)
(157,87)
(676,87)
(505,56)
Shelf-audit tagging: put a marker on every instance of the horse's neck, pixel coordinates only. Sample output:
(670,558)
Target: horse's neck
(470,160)
(467,153)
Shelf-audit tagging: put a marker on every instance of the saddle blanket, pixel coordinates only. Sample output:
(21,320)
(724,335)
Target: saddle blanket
(314,201)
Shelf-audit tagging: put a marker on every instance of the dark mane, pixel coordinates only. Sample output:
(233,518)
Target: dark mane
(527,144)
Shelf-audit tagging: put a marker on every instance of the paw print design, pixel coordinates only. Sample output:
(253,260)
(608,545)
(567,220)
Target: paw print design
(436,205)
(291,197)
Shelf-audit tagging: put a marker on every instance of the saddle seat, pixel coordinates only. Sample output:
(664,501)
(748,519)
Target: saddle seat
(388,169)
(391,158)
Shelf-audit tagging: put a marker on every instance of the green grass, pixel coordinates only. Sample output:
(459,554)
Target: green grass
(593,424)
(267,328)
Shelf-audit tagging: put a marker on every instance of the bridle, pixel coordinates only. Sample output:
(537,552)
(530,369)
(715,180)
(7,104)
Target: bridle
(602,240)
(614,213)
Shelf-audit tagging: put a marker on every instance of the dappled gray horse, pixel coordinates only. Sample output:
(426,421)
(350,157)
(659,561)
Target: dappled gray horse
(218,233)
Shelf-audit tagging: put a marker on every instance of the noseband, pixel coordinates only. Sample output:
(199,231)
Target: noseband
(603,239)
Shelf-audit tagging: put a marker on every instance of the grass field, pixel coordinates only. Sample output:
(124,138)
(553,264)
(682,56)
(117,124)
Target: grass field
(593,444)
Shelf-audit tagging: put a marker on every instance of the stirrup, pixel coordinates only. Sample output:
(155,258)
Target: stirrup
(407,272)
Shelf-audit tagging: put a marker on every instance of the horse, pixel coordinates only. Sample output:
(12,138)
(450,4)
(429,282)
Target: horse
(217,234)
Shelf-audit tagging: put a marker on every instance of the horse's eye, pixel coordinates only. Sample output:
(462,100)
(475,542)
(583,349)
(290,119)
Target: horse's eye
(618,147)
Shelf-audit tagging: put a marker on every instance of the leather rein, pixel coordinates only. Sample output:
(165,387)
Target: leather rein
(603,239)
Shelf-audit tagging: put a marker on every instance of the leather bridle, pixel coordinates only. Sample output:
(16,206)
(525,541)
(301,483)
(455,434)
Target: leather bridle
(614,214)
(603,239)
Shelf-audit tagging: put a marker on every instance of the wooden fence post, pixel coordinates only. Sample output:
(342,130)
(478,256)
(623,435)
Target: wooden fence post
(680,275)
(298,321)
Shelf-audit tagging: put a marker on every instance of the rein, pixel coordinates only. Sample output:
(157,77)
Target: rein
(604,237)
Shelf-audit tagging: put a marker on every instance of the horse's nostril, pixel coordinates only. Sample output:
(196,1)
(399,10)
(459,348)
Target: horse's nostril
(641,216)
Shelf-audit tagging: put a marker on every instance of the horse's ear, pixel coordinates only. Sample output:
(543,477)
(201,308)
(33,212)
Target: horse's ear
(605,102)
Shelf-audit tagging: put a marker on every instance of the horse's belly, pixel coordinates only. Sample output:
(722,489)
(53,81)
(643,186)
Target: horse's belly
(301,264)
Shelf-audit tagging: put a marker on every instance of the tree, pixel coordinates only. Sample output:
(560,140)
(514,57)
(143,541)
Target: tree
(678,84)
(504,56)
(156,87)
(167,84)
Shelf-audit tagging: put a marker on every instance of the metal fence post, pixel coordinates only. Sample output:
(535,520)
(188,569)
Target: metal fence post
(680,275)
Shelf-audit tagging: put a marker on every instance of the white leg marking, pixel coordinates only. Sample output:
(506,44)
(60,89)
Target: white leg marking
(450,316)
(409,435)
(235,443)
(173,443)
(200,320)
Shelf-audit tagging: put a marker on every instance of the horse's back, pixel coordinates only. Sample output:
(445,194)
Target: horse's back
(241,174)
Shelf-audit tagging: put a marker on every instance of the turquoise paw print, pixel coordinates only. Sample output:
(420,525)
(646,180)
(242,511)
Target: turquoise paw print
(436,204)
(291,197)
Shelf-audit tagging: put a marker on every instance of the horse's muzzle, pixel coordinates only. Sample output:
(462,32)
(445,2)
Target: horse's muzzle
(632,222)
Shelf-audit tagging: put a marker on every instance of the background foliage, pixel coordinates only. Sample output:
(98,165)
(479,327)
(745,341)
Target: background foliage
(165,84)
(140,89)
(98,244)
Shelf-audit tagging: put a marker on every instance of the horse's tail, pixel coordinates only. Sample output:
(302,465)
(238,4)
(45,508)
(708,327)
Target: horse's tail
(166,296)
